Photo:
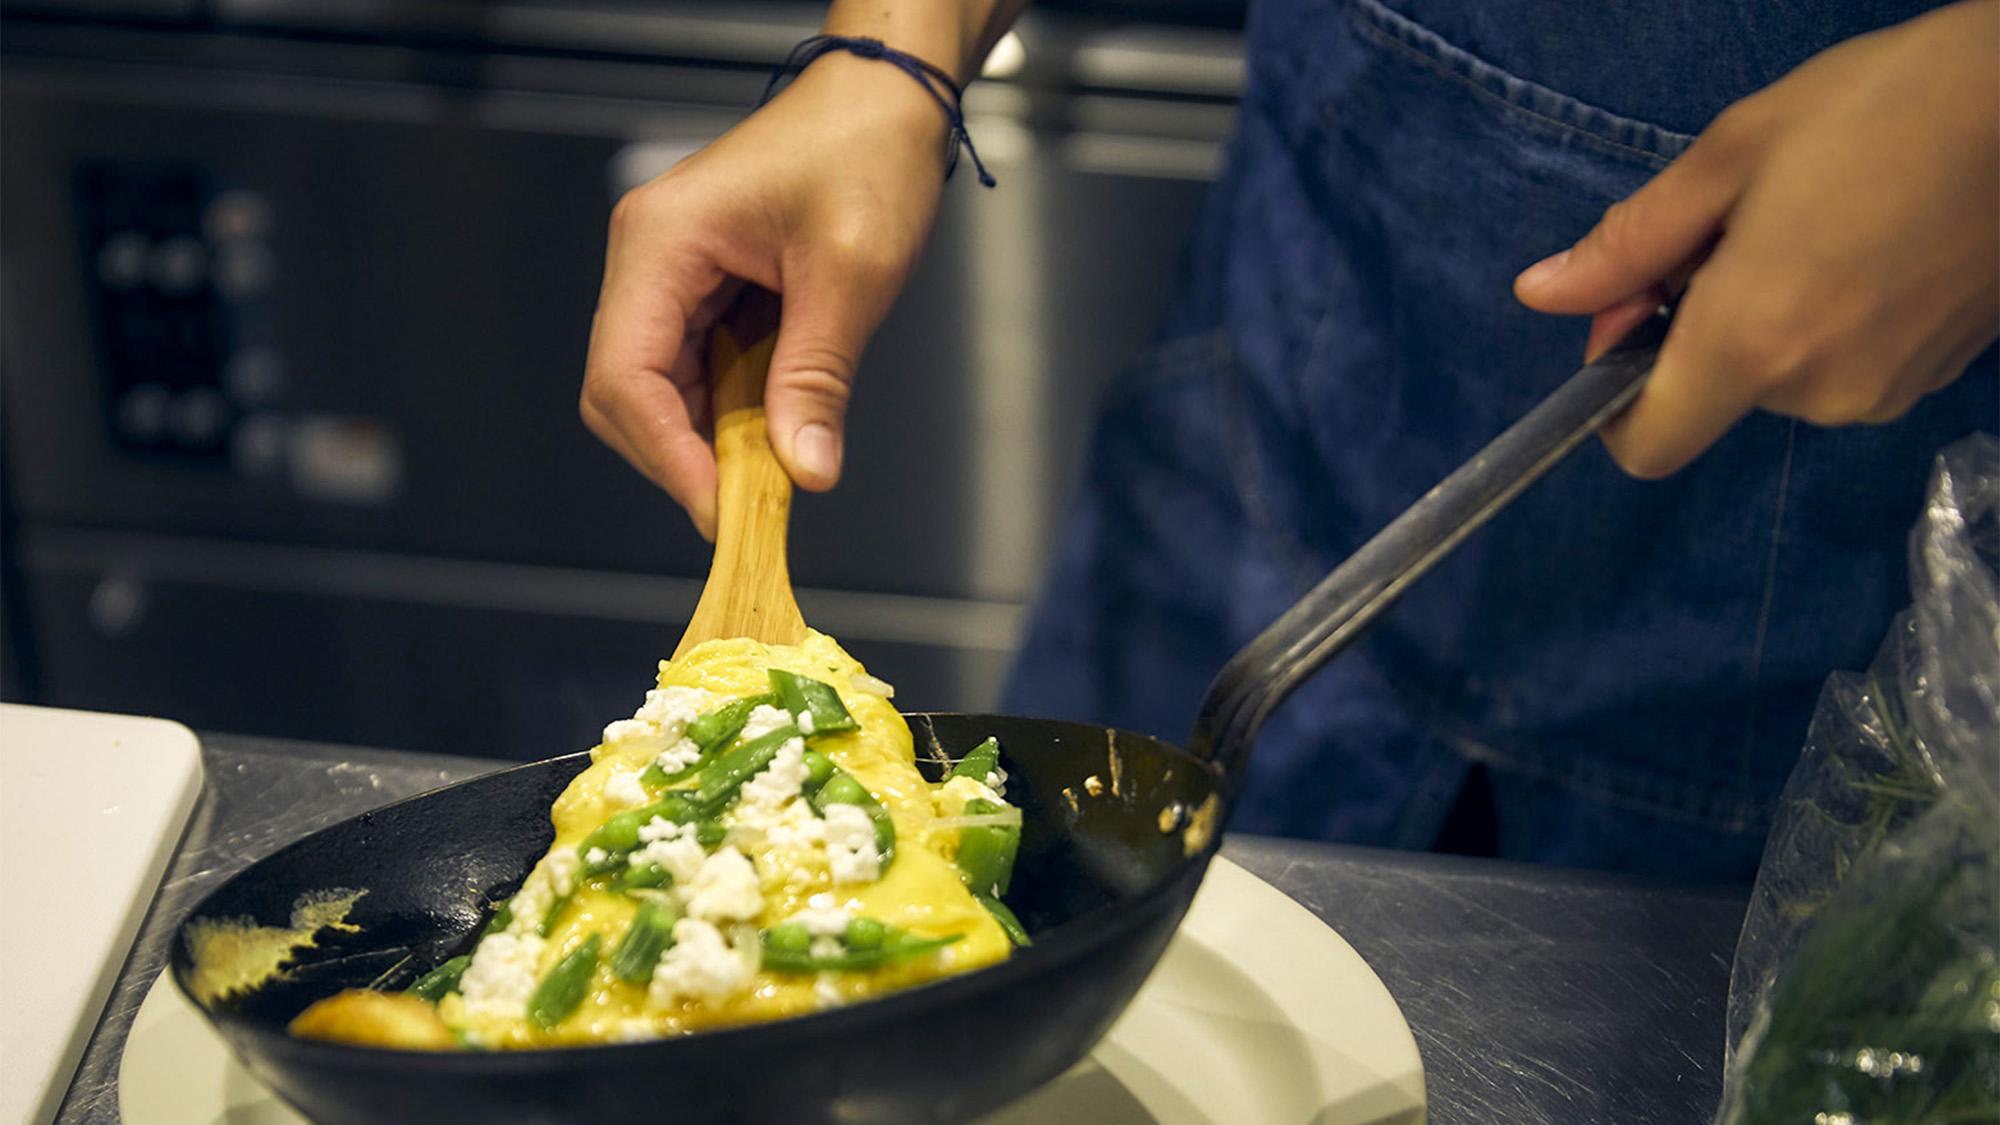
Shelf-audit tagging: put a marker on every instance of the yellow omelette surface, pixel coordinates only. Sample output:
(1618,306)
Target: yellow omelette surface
(920,891)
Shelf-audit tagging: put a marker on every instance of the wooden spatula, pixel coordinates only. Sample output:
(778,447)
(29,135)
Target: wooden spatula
(749,590)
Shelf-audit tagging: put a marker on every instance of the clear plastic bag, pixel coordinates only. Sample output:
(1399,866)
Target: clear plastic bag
(1866,988)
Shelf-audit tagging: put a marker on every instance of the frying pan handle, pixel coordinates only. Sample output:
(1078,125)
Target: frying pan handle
(1348,600)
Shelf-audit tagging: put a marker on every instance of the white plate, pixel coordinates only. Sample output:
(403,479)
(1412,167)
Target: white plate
(1259,1014)
(86,800)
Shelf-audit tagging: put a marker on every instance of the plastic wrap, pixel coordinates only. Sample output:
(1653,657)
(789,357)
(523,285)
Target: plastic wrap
(1866,989)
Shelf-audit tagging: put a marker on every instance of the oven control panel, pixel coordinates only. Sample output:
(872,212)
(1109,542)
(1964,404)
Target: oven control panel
(179,270)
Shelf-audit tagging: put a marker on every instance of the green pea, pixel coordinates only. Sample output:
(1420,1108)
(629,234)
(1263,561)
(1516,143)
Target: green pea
(620,832)
(618,836)
(897,947)
(864,934)
(842,789)
(788,937)
(819,770)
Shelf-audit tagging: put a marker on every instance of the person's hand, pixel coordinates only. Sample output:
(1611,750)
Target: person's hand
(824,196)
(1839,232)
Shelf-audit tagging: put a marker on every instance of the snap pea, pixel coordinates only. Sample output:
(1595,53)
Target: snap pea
(718,781)
(842,789)
(1011,925)
(717,727)
(814,705)
(502,918)
(642,876)
(618,836)
(441,981)
(978,763)
(554,914)
(710,833)
(708,732)
(651,934)
(986,851)
(559,993)
(783,956)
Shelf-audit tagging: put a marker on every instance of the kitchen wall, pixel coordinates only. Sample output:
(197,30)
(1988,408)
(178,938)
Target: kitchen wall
(293,303)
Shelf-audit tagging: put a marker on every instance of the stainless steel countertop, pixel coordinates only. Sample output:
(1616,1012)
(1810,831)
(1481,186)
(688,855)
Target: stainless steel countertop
(1535,995)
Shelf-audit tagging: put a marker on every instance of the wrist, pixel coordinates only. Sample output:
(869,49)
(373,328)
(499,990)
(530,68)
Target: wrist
(889,98)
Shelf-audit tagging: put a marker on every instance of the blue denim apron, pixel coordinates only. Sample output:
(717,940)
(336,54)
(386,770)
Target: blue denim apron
(1633,664)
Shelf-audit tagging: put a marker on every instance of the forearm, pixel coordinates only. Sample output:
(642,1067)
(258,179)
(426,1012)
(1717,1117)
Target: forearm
(953,34)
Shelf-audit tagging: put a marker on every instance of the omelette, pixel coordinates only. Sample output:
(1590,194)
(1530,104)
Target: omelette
(755,842)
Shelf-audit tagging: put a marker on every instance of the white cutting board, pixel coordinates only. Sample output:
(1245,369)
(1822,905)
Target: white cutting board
(91,808)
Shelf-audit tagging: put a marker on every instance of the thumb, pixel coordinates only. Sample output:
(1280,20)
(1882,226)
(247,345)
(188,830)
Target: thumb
(1646,239)
(820,337)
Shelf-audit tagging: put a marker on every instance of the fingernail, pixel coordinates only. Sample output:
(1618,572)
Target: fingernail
(817,453)
(1543,271)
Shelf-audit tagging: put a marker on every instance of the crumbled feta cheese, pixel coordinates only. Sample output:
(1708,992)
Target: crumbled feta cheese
(596,856)
(679,755)
(804,719)
(726,889)
(825,924)
(763,721)
(822,920)
(658,723)
(530,903)
(765,796)
(672,846)
(793,826)
(660,828)
(701,965)
(671,709)
(623,790)
(850,845)
(963,789)
(997,781)
(502,975)
(635,734)
(826,990)
(562,865)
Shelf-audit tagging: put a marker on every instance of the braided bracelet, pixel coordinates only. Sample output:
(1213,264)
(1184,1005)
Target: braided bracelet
(928,76)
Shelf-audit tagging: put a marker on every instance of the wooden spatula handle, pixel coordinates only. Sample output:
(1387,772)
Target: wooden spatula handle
(749,590)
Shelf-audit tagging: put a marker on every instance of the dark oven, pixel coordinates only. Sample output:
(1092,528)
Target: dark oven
(295,303)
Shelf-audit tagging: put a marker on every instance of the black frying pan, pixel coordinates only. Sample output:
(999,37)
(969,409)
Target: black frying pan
(1117,831)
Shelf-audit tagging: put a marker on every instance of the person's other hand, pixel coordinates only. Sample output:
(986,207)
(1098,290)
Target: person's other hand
(1842,229)
(825,196)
